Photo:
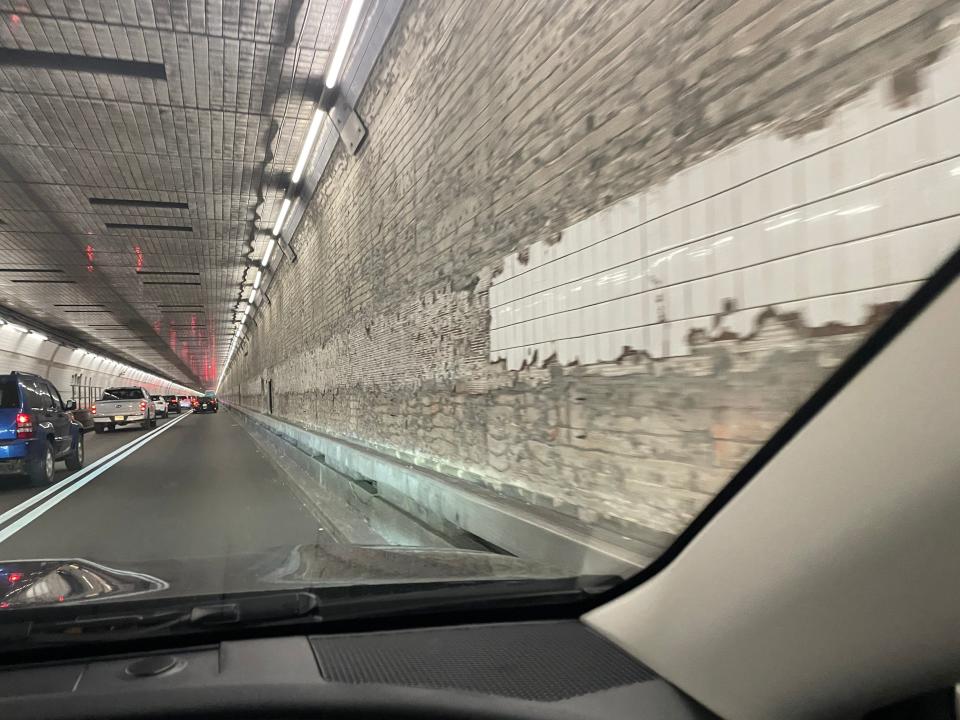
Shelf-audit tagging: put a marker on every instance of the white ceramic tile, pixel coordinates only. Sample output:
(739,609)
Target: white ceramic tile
(675,192)
(915,253)
(817,178)
(860,115)
(726,248)
(654,235)
(940,189)
(781,280)
(696,220)
(945,236)
(497,293)
(751,160)
(623,313)
(678,332)
(710,184)
(696,188)
(781,190)
(607,222)
(720,213)
(723,170)
(675,302)
(700,259)
(654,341)
(821,226)
(674,229)
(648,307)
(626,214)
(851,162)
(702,300)
(752,244)
(635,282)
(818,272)
(755,287)
(754,200)
(633,244)
(892,149)
(863,211)
(653,203)
(573,266)
(724,293)
(657,270)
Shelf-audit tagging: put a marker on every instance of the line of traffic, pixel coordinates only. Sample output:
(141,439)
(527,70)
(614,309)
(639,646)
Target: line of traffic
(78,479)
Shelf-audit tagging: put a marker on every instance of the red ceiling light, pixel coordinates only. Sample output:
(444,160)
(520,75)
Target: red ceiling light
(139,254)
(89,252)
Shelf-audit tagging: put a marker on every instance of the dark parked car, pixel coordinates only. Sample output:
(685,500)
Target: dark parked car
(173,404)
(36,428)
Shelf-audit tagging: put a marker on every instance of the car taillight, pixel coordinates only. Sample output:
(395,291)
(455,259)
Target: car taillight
(143,406)
(93,409)
(24,426)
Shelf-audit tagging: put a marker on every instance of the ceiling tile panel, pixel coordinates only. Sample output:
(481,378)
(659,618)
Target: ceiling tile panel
(239,81)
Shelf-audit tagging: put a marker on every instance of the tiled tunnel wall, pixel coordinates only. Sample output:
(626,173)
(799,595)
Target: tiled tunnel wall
(594,253)
(77,374)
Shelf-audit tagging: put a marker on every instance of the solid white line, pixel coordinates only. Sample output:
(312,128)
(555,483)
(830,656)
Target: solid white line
(85,475)
(34,499)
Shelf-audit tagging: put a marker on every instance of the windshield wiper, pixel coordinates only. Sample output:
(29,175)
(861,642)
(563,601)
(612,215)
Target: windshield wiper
(302,608)
(255,610)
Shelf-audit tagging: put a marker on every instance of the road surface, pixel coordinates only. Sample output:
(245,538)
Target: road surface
(195,486)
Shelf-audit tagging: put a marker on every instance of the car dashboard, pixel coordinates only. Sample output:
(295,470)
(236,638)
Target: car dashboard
(555,669)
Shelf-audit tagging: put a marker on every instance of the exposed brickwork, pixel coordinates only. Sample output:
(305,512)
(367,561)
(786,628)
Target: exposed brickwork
(495,124)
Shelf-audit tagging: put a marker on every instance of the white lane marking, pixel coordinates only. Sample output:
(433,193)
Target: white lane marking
(34,499)
(83,472)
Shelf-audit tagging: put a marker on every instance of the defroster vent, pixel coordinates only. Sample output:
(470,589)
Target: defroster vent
(546,661)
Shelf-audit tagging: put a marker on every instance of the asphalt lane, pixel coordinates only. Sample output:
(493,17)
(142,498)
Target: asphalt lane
(14,489)
(200,488)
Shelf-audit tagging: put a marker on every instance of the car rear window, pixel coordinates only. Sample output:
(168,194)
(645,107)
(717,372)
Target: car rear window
(122,394)
(9,397)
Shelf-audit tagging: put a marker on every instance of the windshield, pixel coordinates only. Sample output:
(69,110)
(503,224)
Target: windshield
(123,394)
(9,397)
(515,311)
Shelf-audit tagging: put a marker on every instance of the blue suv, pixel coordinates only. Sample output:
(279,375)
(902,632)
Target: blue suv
(36,428)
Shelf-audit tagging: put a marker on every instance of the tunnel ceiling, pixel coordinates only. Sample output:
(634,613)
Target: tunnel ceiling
(144,149)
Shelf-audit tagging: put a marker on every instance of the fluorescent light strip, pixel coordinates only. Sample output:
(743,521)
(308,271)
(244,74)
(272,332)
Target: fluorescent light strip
(266,256)
(343,44)
(257,279)
(307,146)
(253,296)
(284,209)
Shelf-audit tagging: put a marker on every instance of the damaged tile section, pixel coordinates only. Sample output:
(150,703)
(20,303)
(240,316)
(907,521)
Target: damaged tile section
(826,225)
(593,254)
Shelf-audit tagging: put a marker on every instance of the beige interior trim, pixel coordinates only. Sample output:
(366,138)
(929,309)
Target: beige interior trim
(831,583)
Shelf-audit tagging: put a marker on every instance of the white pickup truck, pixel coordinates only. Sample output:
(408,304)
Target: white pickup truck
(124,406)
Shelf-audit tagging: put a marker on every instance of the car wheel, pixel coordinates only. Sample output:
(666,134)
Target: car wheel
(41,471)
(98,429)
(75,458)
(146,423)
(153,421)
